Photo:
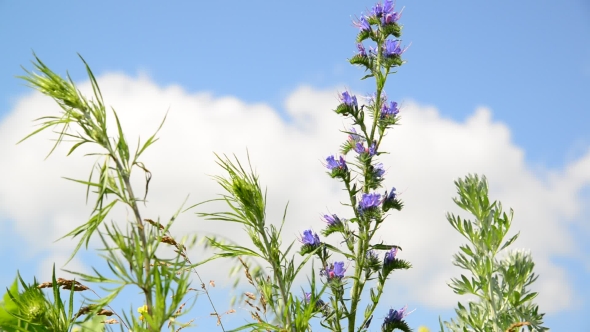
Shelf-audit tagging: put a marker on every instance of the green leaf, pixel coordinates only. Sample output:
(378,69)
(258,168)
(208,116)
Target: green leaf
(510,241)
(8,306)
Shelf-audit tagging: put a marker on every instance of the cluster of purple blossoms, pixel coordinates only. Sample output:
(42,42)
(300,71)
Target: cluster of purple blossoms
(310,238)
(386,12)
(395,316)
(378,170)
(332,163)
(391,196)
(332,220)
(393,48)
(390,256)
(369,201)
(360,149)
(390,110)
(335,271)
(348,100)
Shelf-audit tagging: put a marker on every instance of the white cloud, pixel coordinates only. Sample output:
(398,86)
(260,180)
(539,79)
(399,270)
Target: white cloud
(428,152)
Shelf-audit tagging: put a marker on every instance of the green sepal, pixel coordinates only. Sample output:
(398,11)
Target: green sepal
(363,34)
(361,60)
(392,29)
(399,325)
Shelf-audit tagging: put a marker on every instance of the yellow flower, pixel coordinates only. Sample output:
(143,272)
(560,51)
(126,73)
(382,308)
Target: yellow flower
(142,310)
(423,329)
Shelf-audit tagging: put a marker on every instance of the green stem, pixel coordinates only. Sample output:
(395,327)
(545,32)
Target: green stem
(146,287)
(278,277)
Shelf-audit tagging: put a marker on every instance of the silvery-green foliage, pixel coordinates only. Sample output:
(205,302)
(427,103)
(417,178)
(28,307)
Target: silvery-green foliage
(500,284)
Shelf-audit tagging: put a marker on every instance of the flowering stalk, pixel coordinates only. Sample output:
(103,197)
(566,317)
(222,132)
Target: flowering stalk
(379,26)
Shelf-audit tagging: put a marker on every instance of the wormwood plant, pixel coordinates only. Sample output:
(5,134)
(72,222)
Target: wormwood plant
(282,308)
(504,301)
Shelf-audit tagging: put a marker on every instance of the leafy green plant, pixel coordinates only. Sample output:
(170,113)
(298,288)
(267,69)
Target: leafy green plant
(500,284)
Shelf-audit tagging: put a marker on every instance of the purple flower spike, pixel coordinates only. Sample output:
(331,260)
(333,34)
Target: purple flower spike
(395,316)
(332,219)
(310,238)
(390,110)
(390,256)
(348,100)
(369,201)
(332,163)
(393,47)
(362,24)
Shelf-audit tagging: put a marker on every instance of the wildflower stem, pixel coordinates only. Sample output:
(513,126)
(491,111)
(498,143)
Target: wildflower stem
(132,202)
(278,276)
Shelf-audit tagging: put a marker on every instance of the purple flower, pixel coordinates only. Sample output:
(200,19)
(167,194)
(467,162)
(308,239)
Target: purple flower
(391,195)
(395,316)
(390,110)
(361,48)
(388,6)
(392,48)
(348,100)
(369,201)
(377,10)
(390,18)
(362,24)
(332,219)
(389,15)
(309,238)
(390,202)
(336,270)
(390,256)
(372,149)
(360,149)
(332,163)
(378,169)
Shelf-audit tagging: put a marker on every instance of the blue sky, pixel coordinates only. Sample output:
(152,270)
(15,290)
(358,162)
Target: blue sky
(527,62)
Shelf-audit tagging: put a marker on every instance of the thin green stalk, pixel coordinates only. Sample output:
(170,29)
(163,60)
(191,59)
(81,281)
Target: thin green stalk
(278,276)
(132,202)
